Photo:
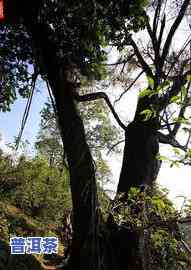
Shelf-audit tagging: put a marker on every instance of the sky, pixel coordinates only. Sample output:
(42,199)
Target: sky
(10,122)
(177,180)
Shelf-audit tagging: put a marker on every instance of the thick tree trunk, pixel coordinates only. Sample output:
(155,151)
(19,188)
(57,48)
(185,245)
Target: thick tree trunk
(82,181)
(139,169)
(82,172)
(140,164)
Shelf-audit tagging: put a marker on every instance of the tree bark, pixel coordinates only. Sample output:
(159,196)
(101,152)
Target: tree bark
(140,165)
(139,169)
(81,166)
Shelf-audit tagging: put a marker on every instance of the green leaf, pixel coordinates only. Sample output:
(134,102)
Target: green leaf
(176,150)
(163,158)
(188,153)
(162,87)
(181,120)
(188,77)
(175,99)
(174,163)
(183,91)
(147,114)
(151,82)
(145,92)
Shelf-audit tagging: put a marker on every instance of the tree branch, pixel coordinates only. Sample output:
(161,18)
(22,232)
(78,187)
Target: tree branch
(165,119)
(152,35)
(144,65)
(173,30)
(161,30)
(129,87)
(167,139)
(181,113)
(120,61)
(183,77)
(178,82)
(100,95)
(184,220)
(174,90)
(187,42)
(186,246)
(156,17)
(113,146)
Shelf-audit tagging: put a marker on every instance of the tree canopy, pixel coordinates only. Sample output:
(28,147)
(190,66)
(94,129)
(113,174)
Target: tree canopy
(65,42)
(78,38)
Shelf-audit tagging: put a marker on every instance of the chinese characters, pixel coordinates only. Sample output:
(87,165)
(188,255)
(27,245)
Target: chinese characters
(34,245)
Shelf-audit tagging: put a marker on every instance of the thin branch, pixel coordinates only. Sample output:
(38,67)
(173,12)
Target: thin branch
(161,30)
(116,63)
(184,220)
(188,140)
(167,125)
(173,30)
(174,90)
(152,35)
(113,146)
(156,46)
(186,43)
(129,87)
(186,246)
(167,121)
(164,8)
(144,65)
(100,95)
(147,53)
(120,62)
(181,113)
(156,17)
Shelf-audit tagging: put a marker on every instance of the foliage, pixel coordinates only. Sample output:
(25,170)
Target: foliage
(101,135)
(4,225)
(41,191)
(154,218)
(34,200)
(44,192)
(49,143)
(79,30)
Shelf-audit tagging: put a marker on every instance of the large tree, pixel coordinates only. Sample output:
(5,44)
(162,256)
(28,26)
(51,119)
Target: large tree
(63,41)
(167,72)
(162,105)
